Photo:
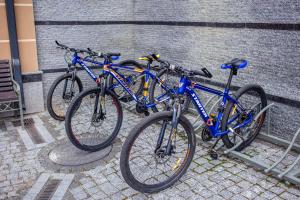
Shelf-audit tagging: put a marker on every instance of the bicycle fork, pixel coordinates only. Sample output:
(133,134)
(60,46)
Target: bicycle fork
(169,148)
(71,87)
(100,102)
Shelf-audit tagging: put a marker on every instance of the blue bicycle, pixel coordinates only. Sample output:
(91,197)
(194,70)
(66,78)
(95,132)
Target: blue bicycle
(67,85)
(160,148)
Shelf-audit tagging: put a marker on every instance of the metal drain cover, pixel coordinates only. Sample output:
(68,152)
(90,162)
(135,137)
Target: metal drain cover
(48,190)
(27,122)
(67,154)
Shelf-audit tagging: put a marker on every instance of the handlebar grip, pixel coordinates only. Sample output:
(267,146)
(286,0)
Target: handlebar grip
(196,72)
(207,73)
(61,45)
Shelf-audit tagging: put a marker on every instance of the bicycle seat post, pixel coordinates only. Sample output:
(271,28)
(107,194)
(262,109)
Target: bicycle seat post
(149,64)
(233,71)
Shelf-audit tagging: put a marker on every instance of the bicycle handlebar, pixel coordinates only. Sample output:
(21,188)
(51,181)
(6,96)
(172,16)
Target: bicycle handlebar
(88,51)
(62,46)
(204,72)
(103,55)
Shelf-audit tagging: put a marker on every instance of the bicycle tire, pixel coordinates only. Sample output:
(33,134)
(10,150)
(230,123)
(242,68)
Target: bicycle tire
(248,88)
(127,146)
(74,106)
(57,81)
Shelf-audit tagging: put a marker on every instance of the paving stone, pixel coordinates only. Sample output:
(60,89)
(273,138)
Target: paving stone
(206,193)
(289,196)
(245,185)
(238,197)
(249,194)
(257,189)
(268,195)
(235,189)
(293,191)
(277,190)
(265,184)
(226,194)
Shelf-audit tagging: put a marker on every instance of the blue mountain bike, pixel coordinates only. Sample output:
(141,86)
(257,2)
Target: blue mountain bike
(160,148)
(67,85)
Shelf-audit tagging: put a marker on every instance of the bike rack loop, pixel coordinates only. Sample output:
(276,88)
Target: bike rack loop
(291,177)
(286,174)
(284,155)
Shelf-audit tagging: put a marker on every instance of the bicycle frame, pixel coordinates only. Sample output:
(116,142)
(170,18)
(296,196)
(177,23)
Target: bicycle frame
(77,59)
(187,86)
(112,69)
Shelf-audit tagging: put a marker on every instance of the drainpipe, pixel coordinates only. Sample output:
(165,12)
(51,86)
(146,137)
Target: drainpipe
(14,49)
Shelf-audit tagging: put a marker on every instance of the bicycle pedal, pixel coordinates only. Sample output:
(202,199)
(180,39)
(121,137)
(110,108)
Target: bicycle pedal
(213,154)
(147,113)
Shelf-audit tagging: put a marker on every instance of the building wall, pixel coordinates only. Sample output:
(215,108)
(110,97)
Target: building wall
(273,52)
(27,50)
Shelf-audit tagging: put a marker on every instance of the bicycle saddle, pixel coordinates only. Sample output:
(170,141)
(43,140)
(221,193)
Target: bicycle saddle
(150,57)
(235,63)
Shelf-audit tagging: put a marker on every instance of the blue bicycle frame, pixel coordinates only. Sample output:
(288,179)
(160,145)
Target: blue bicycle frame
(187,86)
(77,59)
(110,68)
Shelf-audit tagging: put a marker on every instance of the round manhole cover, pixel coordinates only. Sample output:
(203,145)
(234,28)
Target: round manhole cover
(67,154)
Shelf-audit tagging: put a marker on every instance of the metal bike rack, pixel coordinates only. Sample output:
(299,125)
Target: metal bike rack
(291,173)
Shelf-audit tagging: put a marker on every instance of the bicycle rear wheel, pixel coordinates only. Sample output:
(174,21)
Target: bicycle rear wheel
(132,79)
(253,99)
(144,165)
(60,95)
(89,130)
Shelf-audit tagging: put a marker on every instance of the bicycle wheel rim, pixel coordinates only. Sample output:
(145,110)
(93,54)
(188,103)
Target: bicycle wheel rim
(178,170)
(60,102)
(93,135)
(253,100)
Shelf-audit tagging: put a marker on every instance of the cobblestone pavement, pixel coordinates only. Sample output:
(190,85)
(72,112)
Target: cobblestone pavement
(26,171)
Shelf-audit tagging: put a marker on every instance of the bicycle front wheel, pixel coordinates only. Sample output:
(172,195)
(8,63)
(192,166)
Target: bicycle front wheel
(60,95)
(92,125)
(147,167)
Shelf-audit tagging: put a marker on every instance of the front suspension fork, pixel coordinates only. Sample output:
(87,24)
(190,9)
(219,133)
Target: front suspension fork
(100,97)
(72,84)
(175,117)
